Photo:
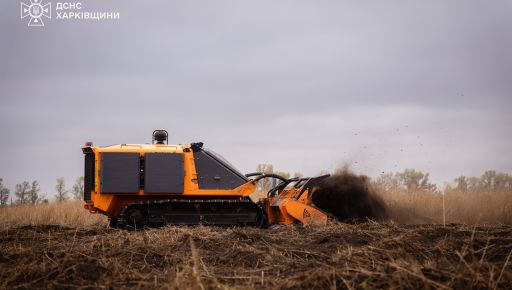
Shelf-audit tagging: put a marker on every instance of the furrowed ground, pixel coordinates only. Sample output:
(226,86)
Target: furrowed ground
(72,249)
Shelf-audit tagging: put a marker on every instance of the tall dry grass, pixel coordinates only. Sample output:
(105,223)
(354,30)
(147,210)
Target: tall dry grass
(70,214)
(404,207)
(422,206)
(449,206)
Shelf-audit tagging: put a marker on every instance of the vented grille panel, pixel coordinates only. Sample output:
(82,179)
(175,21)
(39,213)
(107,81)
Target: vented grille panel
(89,169)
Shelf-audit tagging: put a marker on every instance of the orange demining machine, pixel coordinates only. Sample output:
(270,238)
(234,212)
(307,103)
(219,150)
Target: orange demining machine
(139,185)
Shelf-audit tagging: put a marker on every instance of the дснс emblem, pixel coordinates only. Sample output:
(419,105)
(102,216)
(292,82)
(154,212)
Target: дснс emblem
(36,10)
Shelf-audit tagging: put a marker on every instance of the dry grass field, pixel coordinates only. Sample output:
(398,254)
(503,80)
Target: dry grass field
(60,245)
(459,207)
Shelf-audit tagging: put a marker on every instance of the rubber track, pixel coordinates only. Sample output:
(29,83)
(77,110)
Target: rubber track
(192,212)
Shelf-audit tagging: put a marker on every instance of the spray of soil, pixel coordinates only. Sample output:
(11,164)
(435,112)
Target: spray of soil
(349,197)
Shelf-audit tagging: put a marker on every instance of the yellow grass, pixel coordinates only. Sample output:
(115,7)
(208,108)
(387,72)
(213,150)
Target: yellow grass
(459,207)
(70,214)
(412,207)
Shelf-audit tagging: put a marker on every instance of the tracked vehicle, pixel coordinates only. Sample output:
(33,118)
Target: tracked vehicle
(138,185)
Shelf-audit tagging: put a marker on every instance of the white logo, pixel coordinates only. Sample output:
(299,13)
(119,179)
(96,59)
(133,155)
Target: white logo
(36,10)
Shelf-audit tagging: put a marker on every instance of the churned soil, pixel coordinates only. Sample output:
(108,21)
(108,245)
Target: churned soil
(337,256)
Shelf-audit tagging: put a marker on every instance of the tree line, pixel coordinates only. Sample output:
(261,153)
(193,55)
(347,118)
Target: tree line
(490,181)
(30,192)
(408,180)
(411,180)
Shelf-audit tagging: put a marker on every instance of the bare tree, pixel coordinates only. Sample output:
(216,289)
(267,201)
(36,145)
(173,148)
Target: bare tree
(474,184)
(425,184)
(33,194)
(298,174)
(264,184)
(387,182)
(78,188)
(22,192)
(502,181)
(268,183)
(62,192)
(267,168)
(4,193)
(462,183)
(412,179)
(487,180)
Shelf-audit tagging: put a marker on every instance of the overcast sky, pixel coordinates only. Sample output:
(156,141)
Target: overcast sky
(305,85)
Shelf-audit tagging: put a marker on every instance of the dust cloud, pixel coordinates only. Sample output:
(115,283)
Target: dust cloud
(349,197)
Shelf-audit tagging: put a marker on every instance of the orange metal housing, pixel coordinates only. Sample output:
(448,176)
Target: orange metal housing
(112,204)
(293,205)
